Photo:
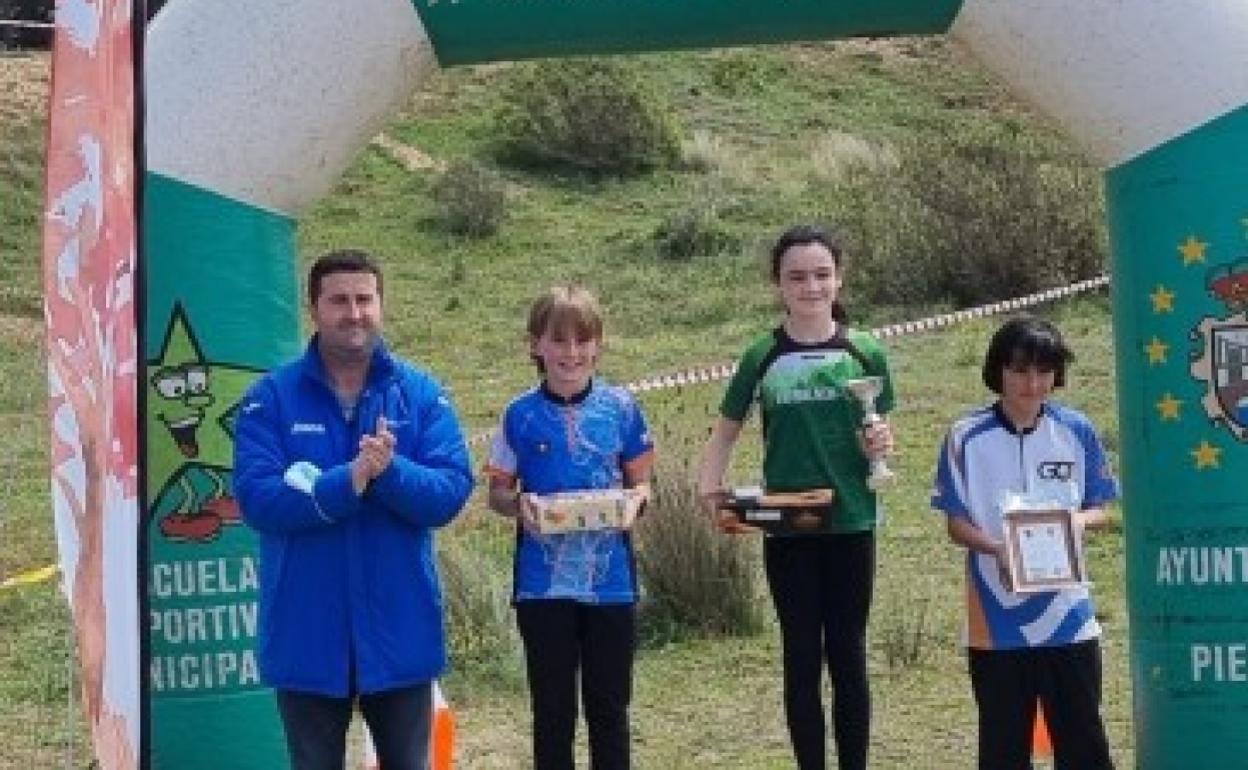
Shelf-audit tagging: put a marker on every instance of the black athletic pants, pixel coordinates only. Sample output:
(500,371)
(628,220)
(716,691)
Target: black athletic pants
(560,637)
(1066,680)
(316,727)
(821,586)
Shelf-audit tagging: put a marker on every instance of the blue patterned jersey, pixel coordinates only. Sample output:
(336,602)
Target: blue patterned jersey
(549,444)
(1061,462)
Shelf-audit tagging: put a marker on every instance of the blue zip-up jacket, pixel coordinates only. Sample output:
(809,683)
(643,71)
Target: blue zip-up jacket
(350,598)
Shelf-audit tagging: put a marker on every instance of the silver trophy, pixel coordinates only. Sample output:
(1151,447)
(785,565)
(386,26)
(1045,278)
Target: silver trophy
(866,389)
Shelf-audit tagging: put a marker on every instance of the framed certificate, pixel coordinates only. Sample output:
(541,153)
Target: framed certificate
(1044,550)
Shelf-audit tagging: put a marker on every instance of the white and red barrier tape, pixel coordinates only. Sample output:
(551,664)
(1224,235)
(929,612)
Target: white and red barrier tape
(718,372)
(26,24)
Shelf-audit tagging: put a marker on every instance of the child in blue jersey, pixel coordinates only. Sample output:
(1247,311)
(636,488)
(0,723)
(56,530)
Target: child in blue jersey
(574,593)
(1025,648)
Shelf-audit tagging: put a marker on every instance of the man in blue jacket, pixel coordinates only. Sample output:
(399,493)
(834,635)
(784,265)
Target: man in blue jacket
(345,461)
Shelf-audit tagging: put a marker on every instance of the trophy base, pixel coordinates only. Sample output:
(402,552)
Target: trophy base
(880,479)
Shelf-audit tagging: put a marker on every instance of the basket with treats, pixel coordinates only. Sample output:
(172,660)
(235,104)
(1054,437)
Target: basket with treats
(586,510)
(781,512)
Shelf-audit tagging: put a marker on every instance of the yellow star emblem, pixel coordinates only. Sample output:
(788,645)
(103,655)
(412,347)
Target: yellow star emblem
(1168,407)
(1206,455)
(1163,300)
(1156,350)
(1193,250)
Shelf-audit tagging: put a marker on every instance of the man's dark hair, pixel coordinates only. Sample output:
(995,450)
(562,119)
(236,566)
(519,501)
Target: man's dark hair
(341,261)
(1026,341)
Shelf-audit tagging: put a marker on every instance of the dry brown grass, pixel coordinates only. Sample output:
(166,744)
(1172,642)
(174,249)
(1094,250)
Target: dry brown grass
(24,81)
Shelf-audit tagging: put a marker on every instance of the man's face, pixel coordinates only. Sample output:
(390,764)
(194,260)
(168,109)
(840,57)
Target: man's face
(347,315)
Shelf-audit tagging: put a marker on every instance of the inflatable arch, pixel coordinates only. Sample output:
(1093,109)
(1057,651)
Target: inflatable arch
(253,109)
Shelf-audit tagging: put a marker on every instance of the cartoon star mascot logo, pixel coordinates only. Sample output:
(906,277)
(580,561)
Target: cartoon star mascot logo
(192,403)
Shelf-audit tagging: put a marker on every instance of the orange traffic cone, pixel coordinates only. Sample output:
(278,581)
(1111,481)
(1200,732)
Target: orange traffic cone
(441,739)
(1041,744)
(442,743)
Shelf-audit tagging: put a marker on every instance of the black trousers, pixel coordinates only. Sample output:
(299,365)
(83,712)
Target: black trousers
(1066,680)
(821,586)
(316,727)
(561,639)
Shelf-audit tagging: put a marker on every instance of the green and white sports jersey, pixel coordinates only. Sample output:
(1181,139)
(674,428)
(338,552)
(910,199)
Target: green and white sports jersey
(810,420)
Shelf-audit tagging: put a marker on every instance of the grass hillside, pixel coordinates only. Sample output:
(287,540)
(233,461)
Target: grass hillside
(23,90)
(770,136)
(776,131)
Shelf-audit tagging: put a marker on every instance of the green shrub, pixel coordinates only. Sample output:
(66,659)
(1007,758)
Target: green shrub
(1001,219)
(883,229)
(694,230)
(696,580)
(970,219)
(470,198)
(594,114)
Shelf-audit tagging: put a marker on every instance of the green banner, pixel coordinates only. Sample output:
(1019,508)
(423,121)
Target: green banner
(221,306)
(1179,224)
(467,31)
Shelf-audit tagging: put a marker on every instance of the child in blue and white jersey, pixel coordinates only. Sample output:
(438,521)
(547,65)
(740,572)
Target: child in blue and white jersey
(1025,648)
(575,593)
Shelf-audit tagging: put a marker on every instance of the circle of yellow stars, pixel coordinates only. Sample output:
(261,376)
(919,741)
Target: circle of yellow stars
(1193,251)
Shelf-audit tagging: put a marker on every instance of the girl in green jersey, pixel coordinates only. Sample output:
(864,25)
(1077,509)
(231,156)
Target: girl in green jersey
(820,583)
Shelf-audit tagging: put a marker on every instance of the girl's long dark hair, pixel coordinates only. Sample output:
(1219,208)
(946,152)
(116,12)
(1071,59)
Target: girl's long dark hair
(803,235)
